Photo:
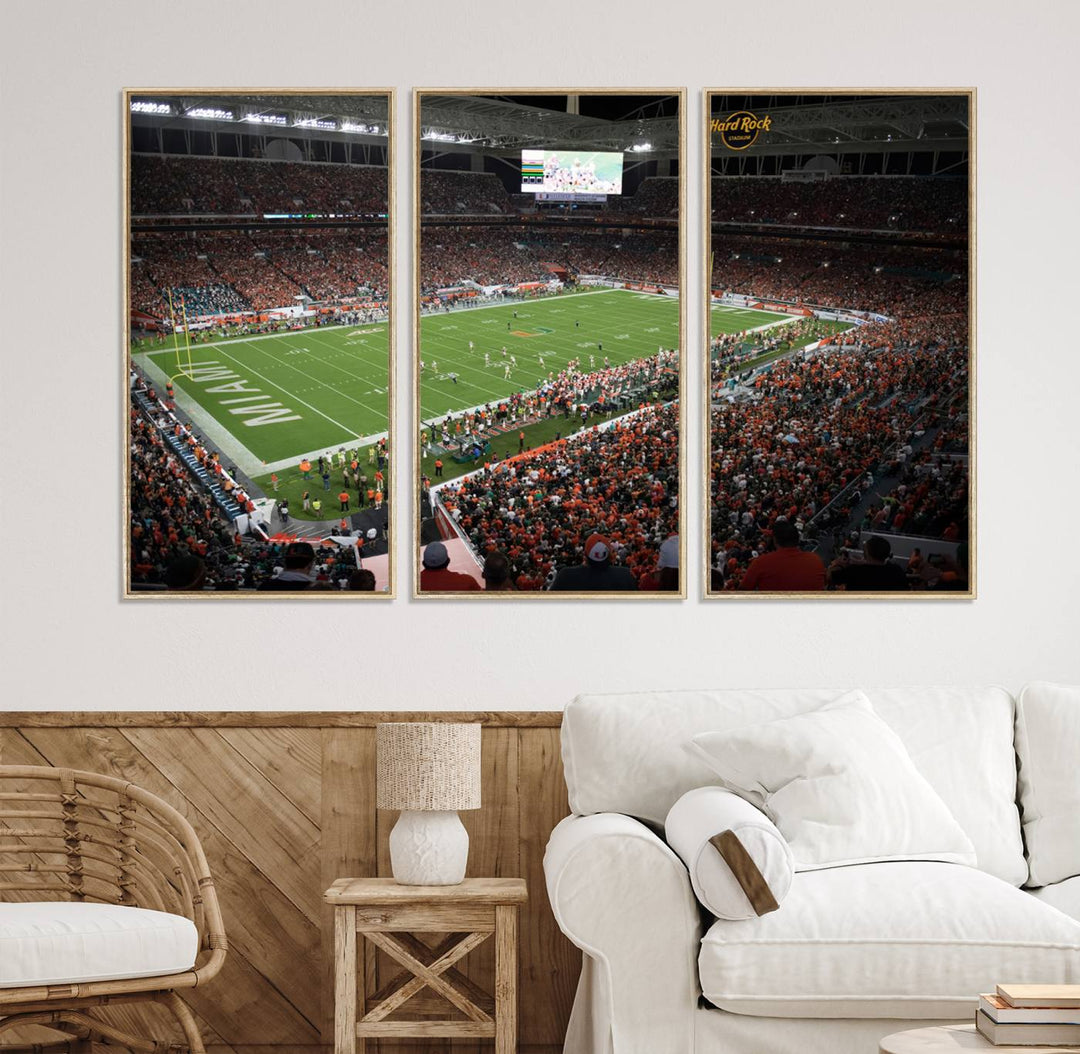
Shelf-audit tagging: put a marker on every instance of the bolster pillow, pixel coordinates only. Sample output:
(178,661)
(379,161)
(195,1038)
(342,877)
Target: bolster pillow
(740,865)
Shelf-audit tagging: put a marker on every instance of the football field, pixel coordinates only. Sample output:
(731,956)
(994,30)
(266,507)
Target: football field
(617,323)
(272,398)
(728,319)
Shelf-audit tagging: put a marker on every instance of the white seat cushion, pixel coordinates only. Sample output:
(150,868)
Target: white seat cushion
(1065,896)
(56,942)
(895,940)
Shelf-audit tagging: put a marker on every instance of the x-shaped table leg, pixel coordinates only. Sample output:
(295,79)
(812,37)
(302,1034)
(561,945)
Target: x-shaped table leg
(410,952)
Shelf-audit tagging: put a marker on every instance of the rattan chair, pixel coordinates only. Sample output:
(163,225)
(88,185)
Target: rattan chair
(79,836)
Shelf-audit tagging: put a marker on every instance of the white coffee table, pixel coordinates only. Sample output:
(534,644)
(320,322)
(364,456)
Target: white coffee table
(945,1039)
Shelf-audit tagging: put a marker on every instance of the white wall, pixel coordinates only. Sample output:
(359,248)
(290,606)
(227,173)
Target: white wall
(70,642)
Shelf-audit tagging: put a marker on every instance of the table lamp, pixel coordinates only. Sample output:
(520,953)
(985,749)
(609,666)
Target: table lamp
(428,770)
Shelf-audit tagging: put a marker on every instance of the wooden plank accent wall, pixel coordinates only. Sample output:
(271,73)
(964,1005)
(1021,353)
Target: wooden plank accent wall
(284,804)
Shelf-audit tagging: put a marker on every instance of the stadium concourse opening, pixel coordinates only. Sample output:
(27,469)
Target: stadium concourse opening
(840,367)
(259,354)
(548,366)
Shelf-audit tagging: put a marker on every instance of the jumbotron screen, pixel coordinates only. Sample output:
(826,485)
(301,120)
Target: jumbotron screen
(570,172)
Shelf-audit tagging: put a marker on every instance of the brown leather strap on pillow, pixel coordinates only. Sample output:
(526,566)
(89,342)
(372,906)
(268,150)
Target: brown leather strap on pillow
(745,871)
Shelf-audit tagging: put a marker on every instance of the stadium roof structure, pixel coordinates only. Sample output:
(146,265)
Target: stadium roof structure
(860,124)
(493,123)
(295,114)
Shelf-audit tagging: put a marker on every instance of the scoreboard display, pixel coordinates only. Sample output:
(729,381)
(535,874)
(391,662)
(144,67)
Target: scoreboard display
(571,172)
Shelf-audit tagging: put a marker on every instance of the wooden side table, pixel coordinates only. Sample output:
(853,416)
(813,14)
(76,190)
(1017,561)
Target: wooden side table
(388,914)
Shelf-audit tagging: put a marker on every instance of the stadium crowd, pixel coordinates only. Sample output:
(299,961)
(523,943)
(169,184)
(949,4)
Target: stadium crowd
(813,433)
(179,539)
(178,185)
(658,196)
(572,391)
(229,271)
(801,447)
(898,280)
(931,500)
(447,192)
(541,508)
(512,255)
(902,203)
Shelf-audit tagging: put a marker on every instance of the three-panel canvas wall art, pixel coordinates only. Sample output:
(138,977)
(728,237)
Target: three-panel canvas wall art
(534,442)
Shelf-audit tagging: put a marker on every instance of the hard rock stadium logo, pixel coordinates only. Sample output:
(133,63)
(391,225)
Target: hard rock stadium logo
(741,129)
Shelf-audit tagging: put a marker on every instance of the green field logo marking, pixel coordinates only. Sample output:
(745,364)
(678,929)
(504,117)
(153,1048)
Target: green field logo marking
(538,332)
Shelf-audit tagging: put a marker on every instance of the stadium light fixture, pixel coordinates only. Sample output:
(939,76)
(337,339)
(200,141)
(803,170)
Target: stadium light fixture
(641,148)
(361,129)
(266,118)
(145,106)
(316,122)
(210,113)
(440,137)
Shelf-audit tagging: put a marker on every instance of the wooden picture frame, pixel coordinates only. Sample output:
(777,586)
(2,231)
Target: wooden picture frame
(784,134)
(280,245)
(430,521)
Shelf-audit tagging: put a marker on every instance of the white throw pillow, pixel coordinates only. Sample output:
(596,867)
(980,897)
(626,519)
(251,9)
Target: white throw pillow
(1048,745)
(739,864)
(839,785)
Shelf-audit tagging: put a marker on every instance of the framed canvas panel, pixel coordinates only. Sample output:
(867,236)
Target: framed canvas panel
(258,384)
(548,321)
(840,365)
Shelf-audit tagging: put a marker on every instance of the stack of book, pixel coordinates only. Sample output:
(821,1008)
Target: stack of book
(1031,1015)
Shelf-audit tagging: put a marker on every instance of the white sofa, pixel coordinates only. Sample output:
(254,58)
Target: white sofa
(853,953)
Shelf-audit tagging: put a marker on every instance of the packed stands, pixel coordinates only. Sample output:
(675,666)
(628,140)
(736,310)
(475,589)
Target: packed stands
(173,514)
(813,429)
(657,196)
(444,193)
(809,438)
(540,507)
(614,387)
(176,185)
(511,255)
(884,279)
(234,271)
(894,203)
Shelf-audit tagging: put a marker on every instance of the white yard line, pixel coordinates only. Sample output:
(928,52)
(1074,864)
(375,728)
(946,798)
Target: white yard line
(562,345)
(321,384)
(244,459)
(285,391)
(383,356)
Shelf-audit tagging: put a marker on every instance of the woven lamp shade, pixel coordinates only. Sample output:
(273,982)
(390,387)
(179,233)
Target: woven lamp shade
(427,766)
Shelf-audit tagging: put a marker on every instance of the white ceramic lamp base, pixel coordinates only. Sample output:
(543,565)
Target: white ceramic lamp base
(429,849)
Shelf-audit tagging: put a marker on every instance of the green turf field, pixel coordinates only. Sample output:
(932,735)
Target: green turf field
(629,325)
(283,395)
(728,319)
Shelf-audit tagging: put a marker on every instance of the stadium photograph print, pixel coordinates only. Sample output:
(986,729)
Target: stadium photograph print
(548,377)
(839,374)
(258,385)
